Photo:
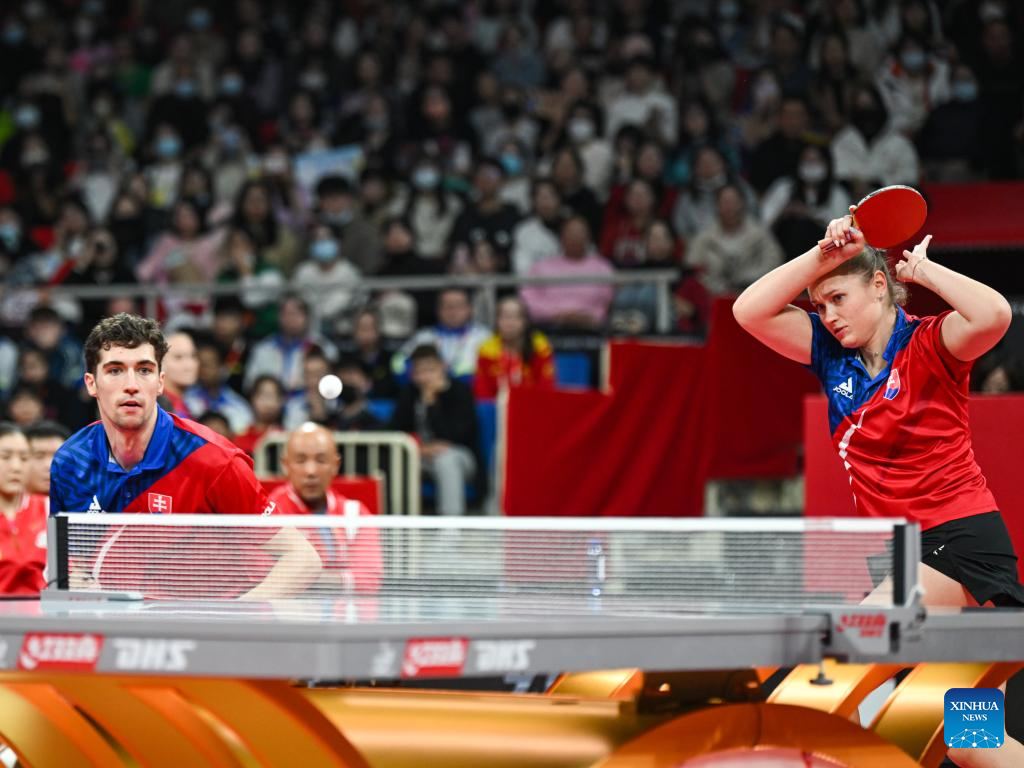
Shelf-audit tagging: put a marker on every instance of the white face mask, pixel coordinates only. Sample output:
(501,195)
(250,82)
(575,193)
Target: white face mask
(812,173)
(581,129)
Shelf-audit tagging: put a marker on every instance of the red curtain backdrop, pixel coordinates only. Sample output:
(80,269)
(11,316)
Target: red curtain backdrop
(996,426)
(981,215)
(673,417)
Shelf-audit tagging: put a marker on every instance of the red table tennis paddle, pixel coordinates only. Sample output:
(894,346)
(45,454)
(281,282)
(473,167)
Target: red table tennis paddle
(887,217)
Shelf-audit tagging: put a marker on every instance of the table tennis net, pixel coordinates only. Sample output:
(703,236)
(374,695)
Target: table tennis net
(694,564)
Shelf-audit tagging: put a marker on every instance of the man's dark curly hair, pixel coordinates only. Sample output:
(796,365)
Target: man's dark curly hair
(123,330)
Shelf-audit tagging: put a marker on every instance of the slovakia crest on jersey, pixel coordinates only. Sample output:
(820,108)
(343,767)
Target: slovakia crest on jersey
(892,386)
(160,504)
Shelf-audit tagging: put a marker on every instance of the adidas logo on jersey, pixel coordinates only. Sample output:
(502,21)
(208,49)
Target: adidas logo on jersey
(845,389)
(94,506)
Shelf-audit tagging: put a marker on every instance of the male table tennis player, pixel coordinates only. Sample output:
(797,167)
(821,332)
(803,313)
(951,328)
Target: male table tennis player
(351,555)
(139,458)
(22,519)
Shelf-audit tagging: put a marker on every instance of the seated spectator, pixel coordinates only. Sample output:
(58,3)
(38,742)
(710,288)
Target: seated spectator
(998,372)
(567,173)
(211,392)
(354,415)
(441,413)
(260,281)
(266,400)
(351,559)
(696,206)
(643,103)
(798,207)
(180,367)
(219,423)
(338,206)
(100,262)
(329,281)
(516,161)
(628,215)
(516,355)
(44,438)
(282,353)
(777,155)
(868,152)
(228,329)
(60,403)
(536,237)
(735,250)
(309,404)
(431,211)
(372,358)
(186,253)
(488,218)
(402,259)
(275,244)
(22,519)
(635,307)
(575,307)
(950,143)
(47,332)
(832,91)
(456,336)
(912,82)
(698,128)
(25,406)
(585,134)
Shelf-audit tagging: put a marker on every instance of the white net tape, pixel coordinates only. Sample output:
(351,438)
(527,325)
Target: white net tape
(637,565)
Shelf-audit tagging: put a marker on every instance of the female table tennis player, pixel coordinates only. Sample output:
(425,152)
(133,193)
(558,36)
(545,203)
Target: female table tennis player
(897,392)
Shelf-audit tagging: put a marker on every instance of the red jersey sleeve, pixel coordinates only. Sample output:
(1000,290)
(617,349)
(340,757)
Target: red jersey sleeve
(931,338)
(237,491)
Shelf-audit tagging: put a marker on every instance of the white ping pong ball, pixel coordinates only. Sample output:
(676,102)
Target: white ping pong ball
(330,386)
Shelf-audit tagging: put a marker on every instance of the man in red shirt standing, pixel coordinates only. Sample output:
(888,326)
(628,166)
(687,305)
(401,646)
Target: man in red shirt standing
(351,555)
(22,519)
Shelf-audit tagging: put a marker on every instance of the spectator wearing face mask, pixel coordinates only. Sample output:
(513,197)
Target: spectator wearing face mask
(338,206)
(868,152)
(950,142)
(515,161)
(328,280)
(912,82)
(798,207)
(431,211)
(584,131)
(163,174)
(696,207)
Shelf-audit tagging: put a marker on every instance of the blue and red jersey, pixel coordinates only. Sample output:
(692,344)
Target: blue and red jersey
(187,468)
(903,435)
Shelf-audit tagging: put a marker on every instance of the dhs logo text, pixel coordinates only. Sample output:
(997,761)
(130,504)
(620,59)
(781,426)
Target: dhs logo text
(974,718)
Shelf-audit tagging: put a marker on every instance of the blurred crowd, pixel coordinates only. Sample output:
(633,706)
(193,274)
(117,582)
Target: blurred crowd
(292,150)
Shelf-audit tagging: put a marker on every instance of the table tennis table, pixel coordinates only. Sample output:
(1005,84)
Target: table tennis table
(455,609)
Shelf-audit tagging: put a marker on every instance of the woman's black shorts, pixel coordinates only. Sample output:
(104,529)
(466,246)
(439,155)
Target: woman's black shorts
(975,551)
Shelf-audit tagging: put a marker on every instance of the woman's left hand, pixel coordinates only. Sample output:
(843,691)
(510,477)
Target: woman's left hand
(906,269)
